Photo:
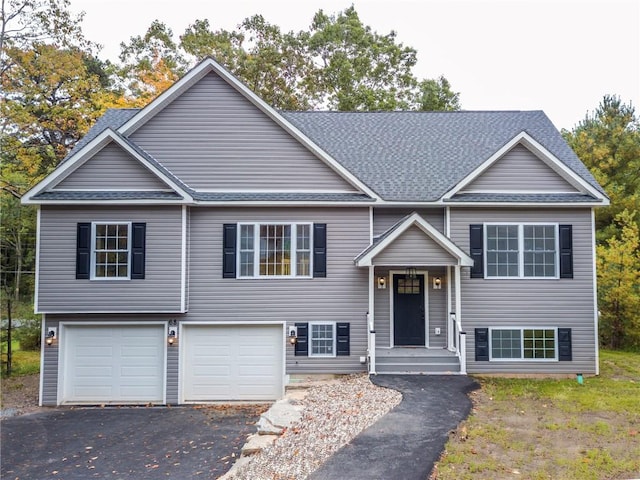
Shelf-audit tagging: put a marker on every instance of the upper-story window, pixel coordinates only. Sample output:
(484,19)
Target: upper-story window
(111,247)
(521,250)
(275,250)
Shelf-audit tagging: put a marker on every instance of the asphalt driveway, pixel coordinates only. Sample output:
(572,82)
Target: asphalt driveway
(405,443)
(125,443)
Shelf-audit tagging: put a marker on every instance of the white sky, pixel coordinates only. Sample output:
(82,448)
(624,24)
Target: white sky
(560,56)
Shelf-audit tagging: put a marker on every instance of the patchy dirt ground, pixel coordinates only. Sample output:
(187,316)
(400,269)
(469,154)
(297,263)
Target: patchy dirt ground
(547,430)
(19,395)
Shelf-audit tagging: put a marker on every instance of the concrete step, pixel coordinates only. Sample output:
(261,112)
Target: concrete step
(419,365)
(409,359)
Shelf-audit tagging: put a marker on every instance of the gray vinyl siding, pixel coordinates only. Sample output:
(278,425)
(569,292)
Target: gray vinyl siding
(60,292)
(385,218)
(173,366)
(51,354)
(212,137)
(382,310)
(519,170)
(50,368)
(437,308)
(413,248)
(531,302)
(340,297)
(437,304)
(112,168)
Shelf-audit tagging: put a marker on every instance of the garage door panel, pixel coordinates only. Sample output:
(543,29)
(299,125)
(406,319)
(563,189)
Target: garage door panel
(232,362)
(113,364)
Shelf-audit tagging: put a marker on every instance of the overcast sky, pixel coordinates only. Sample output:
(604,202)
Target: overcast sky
(560,56)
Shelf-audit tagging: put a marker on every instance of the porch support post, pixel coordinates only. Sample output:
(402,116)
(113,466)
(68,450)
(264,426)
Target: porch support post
(462,337)
(449,327)
(371,333)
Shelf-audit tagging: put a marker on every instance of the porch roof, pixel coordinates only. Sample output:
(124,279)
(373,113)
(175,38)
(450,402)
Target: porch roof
(365,259)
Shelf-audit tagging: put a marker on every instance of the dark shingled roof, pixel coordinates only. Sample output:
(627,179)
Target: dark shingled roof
(403,156)
(113,118)
(419,156)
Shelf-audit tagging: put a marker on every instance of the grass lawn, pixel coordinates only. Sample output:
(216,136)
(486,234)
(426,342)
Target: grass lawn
(551,429)
(24,362)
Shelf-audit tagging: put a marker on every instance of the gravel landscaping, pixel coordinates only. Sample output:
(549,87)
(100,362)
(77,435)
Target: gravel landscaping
(334,414)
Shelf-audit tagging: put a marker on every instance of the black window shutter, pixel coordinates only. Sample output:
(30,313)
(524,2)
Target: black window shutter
(138,246)
(83,251)
(476,248)
(229,250)
(302,344)
(342,329)
(319,249)
(564,344)
(566,251)
(482,344)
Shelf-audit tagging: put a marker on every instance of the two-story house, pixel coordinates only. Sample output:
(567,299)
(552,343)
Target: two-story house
(208,247)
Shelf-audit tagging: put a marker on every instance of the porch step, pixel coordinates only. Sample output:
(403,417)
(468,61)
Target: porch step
(423,362)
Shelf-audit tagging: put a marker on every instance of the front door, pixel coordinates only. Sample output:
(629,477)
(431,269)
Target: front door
(408,311)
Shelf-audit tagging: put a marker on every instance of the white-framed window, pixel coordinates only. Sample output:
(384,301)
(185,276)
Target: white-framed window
(538,344)
(322,339)
(110,250)
(521,250)
(275,250)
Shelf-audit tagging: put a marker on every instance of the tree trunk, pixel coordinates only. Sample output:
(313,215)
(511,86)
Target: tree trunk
(9,328)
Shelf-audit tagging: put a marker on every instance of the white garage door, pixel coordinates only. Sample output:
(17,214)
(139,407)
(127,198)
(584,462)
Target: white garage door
(113,364)
(232,362)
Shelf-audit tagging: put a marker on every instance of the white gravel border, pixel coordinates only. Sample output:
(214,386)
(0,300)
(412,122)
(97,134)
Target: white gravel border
(334,414)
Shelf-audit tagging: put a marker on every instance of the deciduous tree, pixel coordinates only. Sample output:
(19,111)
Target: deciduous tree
(619,284)
(608,142)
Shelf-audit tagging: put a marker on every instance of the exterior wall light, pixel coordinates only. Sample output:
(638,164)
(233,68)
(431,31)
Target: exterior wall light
(411,272)
(437,283)
(51,336)
(382,283)
(293,335)
(171,338)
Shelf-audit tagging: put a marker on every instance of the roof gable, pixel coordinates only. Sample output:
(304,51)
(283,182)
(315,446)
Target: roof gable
(580,184)
(112,168)
(414,247)
(46,189)
(519,171)
(221,132)
(397,231)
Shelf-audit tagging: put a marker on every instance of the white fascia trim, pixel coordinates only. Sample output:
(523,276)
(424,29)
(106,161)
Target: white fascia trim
(43,345)
(415,219)
(37,279)
(112,190)
(104,312)
(183,260)
(526,204)
(596,319)
(107,202)
(209,65)
(273,190)
(542,153)
(85,154)
(521,192)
